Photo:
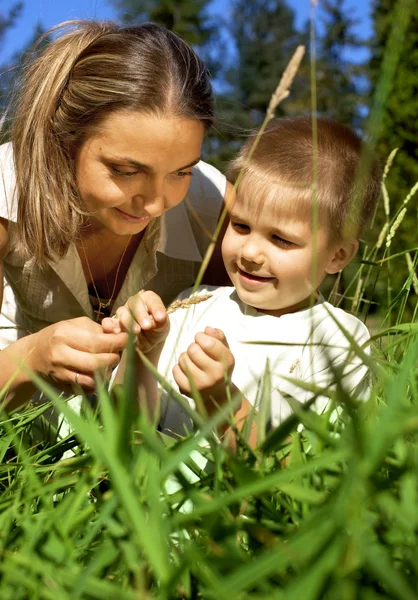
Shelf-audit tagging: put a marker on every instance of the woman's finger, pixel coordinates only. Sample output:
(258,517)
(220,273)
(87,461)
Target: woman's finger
(78,379)
(111,325)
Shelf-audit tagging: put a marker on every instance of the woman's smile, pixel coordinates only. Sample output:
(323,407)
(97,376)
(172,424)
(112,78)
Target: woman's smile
(132,218)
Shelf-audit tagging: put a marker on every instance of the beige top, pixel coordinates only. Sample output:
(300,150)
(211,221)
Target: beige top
(167,259)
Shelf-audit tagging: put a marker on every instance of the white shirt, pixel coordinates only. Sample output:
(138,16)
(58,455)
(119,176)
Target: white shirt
(167,259)
(308,345)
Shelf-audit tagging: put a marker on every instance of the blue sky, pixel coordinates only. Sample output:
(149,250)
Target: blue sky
(52,12)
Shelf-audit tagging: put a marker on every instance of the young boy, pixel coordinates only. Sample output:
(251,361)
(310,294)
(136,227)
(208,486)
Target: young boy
(283,238)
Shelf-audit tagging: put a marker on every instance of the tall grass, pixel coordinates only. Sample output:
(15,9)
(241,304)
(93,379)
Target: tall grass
(324,508)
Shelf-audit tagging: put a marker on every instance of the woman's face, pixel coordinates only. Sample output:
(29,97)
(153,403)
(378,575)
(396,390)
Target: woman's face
(135,167)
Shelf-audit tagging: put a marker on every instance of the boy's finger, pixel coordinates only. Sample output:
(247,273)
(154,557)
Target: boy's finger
(201,359)
(155,307)
(181,379)
(215,348)
(139,313)
(216,333)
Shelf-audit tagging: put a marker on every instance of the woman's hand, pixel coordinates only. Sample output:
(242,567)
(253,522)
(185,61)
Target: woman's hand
(209,363)
(146,316)
(71,352)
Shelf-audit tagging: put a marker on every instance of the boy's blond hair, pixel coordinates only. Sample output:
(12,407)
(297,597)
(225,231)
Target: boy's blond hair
(347,174)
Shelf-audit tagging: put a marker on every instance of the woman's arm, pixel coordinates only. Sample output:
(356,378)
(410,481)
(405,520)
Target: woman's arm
(64,354)
(57,353)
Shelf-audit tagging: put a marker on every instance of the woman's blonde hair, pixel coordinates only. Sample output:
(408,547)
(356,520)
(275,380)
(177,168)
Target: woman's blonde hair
(66,92)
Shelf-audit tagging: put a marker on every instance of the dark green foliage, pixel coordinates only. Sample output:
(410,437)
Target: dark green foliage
(189,18)
(10,76)
(400,112)
(339,93)
(394,113)
(6,22)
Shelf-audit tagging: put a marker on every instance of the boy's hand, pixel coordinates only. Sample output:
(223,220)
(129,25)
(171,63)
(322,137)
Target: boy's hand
(206,362)
(146,316)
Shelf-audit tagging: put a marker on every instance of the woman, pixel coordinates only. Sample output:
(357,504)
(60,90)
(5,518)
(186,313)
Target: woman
(106,136)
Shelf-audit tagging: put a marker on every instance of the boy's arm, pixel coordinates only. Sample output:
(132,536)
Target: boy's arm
(146,384)
(245,411)
(145,315)
(209,364)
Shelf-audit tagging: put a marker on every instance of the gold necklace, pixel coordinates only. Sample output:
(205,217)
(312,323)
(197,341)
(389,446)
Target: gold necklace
(104,305)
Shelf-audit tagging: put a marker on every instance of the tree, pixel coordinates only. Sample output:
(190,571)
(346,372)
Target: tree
(339,78)
(10,76)
(189,18)
(399,116)
(394,115)
(265,38)
(6,22)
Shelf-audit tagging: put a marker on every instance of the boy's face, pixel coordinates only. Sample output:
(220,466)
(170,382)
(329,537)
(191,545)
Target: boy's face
(270,253)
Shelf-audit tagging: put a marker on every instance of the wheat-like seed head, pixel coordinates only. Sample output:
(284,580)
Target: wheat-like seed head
(187,302)
(282,90)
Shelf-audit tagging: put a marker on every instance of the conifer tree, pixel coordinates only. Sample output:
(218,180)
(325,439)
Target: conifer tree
(189,18)
(6,22)
(399,116)
(393,73)
(338,88)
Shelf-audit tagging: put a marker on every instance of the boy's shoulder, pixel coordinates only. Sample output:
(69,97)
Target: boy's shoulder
(335,322)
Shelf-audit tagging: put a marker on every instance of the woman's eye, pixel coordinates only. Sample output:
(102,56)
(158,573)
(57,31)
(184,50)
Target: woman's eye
(240,227)
(118,173)
(182,174)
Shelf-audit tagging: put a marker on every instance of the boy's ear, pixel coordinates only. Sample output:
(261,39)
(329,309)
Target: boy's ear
(344,252)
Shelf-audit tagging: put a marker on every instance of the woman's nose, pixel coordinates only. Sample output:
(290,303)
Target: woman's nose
(151,197)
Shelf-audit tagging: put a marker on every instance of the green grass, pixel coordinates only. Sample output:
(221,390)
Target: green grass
(325,507)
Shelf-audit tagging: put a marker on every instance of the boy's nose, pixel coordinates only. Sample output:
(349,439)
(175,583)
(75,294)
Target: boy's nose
(252,251)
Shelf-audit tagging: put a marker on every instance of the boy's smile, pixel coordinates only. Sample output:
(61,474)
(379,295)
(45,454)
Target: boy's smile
(272,255)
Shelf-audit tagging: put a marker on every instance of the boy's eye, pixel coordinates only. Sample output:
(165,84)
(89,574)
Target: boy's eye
(240,227)
(282,242)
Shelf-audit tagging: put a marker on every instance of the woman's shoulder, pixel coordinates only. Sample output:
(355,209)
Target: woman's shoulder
(8,201)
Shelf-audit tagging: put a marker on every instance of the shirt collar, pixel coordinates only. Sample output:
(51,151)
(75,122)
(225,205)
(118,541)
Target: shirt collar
(176,238)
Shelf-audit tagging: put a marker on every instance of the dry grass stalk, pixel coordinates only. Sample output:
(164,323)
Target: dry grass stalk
(389,162)
(282,90)
(386,201)
(412,272)
(357,295)
(394,227)
(413,191)
(382,236)
(188,302)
